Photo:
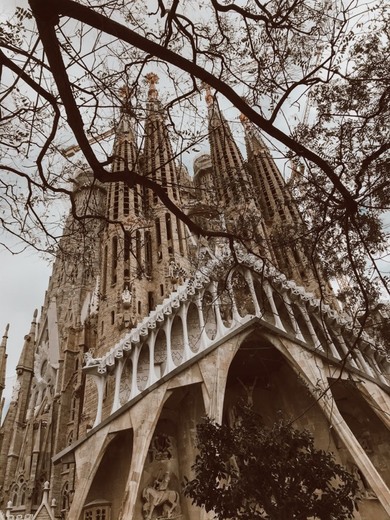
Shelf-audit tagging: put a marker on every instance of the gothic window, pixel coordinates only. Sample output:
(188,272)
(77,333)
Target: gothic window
(169,226)
(150,301)
(158,231)
(97,511)
(127,246)
(138,252)
(148,253)
(65,497)
(104,284)
(116,201)
(126,200)
(180,236)
(114,260)
(14,495)
(73,408)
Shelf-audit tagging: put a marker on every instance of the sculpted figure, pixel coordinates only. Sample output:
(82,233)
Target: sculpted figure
(159,495)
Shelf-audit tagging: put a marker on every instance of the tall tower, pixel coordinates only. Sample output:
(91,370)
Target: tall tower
(227,176)
(283,222)
(14,423)
(3,363)
(143,243)
(165,241)
(231,178)
(121,258)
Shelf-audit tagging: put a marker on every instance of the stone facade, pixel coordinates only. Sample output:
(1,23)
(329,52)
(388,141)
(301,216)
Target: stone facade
(145,329)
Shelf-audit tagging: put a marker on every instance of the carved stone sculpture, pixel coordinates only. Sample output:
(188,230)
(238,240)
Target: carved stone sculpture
(160,501)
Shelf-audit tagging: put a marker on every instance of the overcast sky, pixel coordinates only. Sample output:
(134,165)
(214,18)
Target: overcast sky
(23,281)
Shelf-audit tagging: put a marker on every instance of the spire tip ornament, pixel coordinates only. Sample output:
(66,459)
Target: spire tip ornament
(152,79)
(208,97)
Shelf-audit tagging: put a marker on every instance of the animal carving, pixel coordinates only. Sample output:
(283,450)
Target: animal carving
(159,495)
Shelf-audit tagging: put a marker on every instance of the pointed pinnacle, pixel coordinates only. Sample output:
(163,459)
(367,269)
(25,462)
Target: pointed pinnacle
(151,79)
(5,336)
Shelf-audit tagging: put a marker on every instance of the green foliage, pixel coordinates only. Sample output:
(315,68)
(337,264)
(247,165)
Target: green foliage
(250,471)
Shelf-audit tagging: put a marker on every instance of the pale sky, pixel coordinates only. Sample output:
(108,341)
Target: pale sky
(23,281)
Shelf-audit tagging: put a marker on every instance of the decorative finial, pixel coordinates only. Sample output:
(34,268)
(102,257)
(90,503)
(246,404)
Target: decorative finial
(244,120)
(209,97)
(151,78)
(5,337)
(124,92)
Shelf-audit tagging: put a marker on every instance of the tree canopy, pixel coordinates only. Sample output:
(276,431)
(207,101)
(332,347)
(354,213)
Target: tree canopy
(250,471)
(312,76)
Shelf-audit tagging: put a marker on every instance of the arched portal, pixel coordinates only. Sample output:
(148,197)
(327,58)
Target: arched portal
(261,374)
(171,454)
(109,482)
(366,426)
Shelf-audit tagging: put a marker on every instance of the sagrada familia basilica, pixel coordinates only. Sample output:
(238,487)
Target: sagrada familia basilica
(146,328)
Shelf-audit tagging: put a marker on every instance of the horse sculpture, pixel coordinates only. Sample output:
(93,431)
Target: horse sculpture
(159,495)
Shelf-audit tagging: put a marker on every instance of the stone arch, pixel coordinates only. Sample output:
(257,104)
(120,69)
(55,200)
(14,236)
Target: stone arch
(210,321)
(193,327)
(226,303)
(14,494)
(143,366)
(242,294)
(64,505)
(260,372)
(160,353)
(177,340)
(369,430)
(22,493)
(338,341)
(284,315)
(352,346)
(262,299)
(109,481)
(171,453)
(322,334)
(300,319)
(126,381)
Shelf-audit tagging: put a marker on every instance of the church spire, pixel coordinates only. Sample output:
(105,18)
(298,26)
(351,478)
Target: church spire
(284,223)
(232,181)
(159,163)
(276,201)
(3,362)
(26,360)
(123,202)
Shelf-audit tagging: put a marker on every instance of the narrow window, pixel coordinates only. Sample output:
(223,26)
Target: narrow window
(169,226)
(114,260)
(116,201)
(150,301)
(180,236)
(104,282)
(148,253)
(138,253)
(127,246)
(158,231)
